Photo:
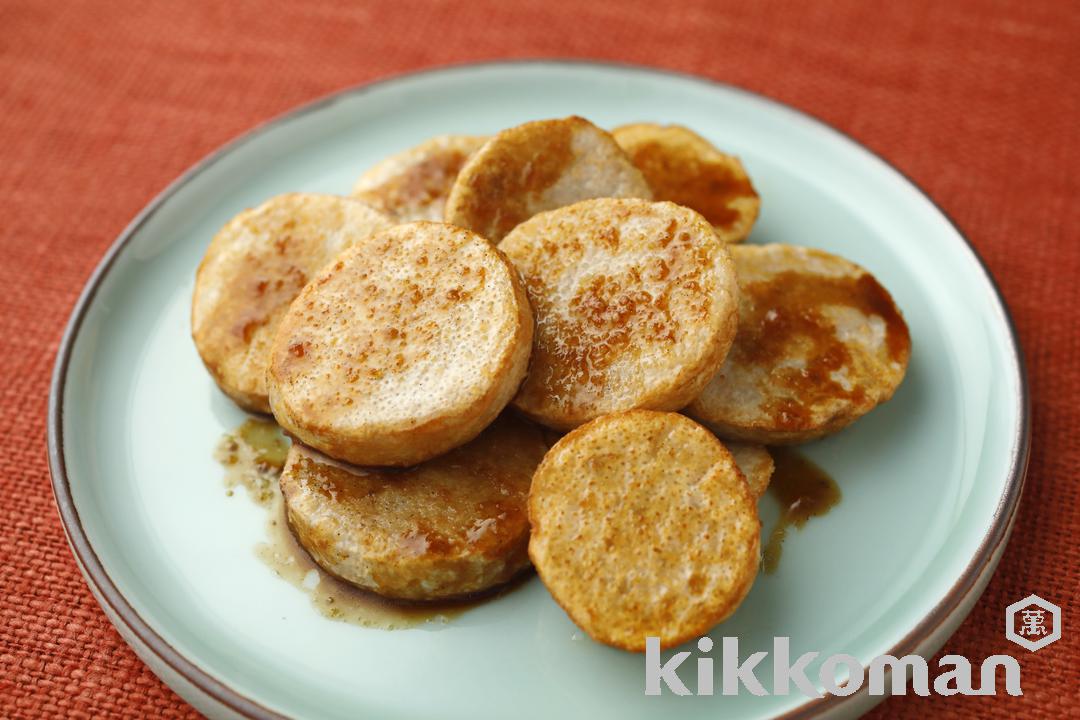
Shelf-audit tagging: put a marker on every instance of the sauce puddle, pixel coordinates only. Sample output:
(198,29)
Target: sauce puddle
(253,456)
(333,598)
(804,491)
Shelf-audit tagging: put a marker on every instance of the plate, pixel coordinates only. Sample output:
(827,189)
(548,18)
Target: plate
(930,481)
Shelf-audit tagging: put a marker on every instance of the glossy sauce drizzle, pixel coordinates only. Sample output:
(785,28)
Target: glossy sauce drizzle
(783,317)
(706,186)
(804,491)
(253,456)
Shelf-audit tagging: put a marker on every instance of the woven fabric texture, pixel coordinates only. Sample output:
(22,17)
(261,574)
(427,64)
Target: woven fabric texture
(103,103)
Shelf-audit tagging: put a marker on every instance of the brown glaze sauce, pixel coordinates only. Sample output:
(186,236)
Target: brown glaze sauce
(604,320)
(708,187)
(785,317)
(253,456)
(803,490)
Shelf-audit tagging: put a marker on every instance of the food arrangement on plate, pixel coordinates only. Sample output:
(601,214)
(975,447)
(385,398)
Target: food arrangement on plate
(579,282)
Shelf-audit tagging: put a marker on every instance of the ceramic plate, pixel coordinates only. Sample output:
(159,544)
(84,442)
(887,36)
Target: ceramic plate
(930,480)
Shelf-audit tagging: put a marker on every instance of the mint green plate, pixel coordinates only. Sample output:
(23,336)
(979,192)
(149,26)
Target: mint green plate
(931,480)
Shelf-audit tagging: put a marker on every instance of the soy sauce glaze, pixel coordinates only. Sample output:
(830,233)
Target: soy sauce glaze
(803,490)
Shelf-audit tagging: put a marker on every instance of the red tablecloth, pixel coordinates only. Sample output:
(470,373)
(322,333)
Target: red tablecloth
(104,103)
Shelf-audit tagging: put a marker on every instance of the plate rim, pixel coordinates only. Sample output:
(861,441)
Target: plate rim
(107,593)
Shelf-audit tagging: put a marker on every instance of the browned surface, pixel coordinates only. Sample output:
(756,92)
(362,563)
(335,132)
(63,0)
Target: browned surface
(787,310)
(683,167)
(450,526)
(424,182)
(254,267)
(405,347)
(501,196)
(643,526)
(634,304)
(820,343)
(253,456)
(414,184)
(755,463)
(539,166)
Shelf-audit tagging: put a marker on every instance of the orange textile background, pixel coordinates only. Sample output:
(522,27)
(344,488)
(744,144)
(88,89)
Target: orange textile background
(104,103)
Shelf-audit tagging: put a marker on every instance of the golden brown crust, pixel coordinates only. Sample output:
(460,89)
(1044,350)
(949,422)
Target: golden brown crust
(408,345)
(452,526)
(642,525)
(254,268)
(820,344)
(635,304)
(685,168)
(535,167)
(414,184)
